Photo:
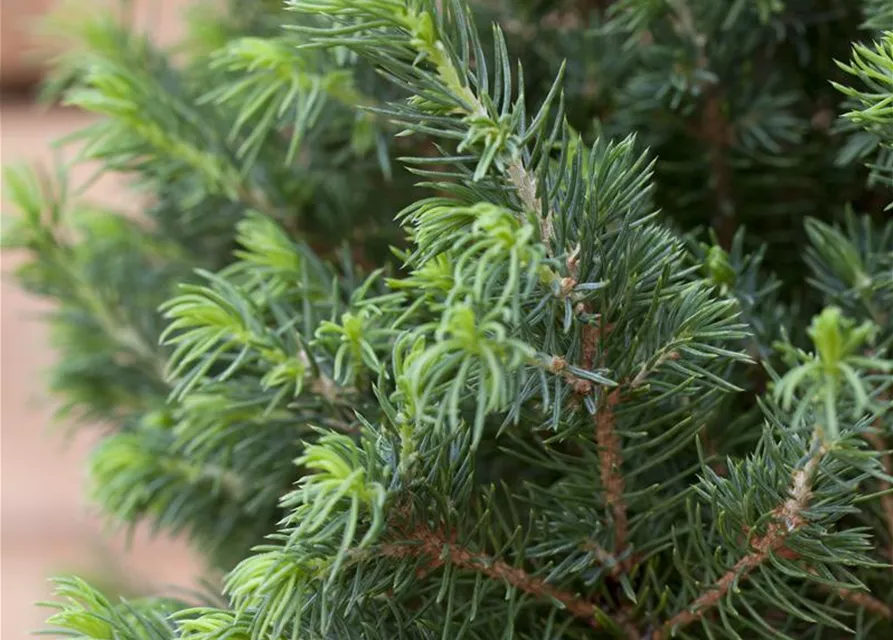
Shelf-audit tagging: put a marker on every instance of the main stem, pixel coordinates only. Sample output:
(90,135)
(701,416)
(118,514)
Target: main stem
(610,462)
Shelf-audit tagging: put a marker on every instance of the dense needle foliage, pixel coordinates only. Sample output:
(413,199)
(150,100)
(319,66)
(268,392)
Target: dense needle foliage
(528,319)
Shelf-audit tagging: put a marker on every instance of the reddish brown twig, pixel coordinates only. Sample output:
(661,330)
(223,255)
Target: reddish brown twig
(788,519)
(713,128)
(867,602)
(610,453)
(610,463)
(437,549)
(718,463)
(862,599)
(718,134)
(708,600)
(887,499)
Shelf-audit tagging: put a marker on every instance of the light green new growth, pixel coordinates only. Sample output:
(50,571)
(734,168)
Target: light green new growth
(526,397)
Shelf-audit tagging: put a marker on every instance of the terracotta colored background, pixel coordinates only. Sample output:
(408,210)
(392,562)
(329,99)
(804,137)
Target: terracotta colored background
(46,526)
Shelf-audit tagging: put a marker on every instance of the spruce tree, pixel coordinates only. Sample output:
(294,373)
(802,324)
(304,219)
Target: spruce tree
(519,320)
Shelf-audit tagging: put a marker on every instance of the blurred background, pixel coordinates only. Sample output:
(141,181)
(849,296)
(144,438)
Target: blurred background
(47,526)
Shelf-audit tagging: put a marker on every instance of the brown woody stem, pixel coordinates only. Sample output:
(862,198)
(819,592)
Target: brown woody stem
(437,550)
(717,463)
(788,519)
(610,463)
(716,131)
(713,128)
(864,600)
(610,453)
(886,499)
(867,602)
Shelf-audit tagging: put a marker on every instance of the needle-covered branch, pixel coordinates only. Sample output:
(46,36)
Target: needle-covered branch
(494,403)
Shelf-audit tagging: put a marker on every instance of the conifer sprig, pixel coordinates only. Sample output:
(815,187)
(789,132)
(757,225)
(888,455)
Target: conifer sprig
(558,416)
(460,104)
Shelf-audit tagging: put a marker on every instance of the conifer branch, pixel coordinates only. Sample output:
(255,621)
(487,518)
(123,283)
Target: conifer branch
(360,379)
(106,315)
(864,600)
(787,521)
(714,128)
(867,602)
(525,185)
(717,132)
(590,337)
(519,176)
(126,336)
(600,553)
(645,371)
(437,549)
(718,464)
(887,498)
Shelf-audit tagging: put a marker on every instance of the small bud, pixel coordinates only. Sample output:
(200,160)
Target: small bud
(719,270)
(836,337)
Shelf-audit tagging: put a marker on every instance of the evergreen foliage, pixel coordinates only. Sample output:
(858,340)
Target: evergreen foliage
(616,366)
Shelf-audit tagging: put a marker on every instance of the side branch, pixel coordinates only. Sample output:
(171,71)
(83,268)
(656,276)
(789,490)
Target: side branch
(867,602)
(713,127)
(716,132)
(437,550)
(518,175)
(863,600)
(887,499)
(525,184)
(788,520)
